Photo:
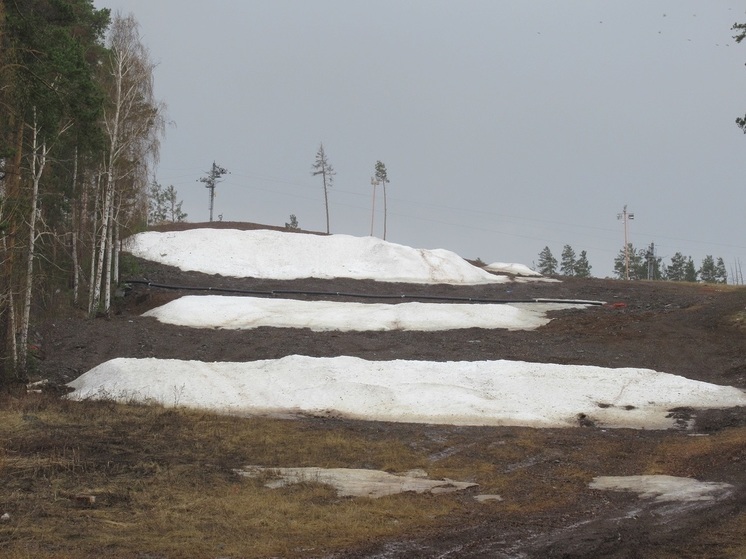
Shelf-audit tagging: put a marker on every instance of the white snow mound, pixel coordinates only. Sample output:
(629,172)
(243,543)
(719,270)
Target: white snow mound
(457,393)
(235,313)
(284,256)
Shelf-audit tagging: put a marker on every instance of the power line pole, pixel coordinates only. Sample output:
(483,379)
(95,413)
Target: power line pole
(374,183)
(625,217)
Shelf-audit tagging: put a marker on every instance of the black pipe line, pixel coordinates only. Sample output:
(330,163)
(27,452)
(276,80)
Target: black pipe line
(276,292)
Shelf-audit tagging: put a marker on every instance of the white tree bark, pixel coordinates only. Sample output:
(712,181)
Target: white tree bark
(39,152)
(132,122)
(109,260)
(76,212)
(94,224)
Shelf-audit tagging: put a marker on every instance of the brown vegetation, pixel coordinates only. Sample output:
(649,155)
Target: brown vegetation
(164,482)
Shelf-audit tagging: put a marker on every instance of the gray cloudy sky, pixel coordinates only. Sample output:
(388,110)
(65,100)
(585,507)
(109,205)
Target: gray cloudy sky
(505,126)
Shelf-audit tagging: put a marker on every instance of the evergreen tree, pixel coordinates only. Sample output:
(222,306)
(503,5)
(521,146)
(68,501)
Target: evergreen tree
(567,268)
(676,271)
(322,167)
(156,204)
(721,274)
(382,176)
(49,100)
(690,272)
(163,205)
(652,264)
(637,264)
(582,267)
(547,263)
(292,225)
(707,270)
(174,213)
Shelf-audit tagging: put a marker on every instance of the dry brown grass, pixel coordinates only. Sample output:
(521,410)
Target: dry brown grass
(164,483)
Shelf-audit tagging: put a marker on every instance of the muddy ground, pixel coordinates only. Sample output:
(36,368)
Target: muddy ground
(691,330)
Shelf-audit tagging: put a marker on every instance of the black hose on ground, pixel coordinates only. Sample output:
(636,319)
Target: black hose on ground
(281,292)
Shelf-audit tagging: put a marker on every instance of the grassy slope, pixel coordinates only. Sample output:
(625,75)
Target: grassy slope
(164,484)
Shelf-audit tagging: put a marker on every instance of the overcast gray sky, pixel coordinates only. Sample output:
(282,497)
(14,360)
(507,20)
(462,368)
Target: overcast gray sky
(505,126)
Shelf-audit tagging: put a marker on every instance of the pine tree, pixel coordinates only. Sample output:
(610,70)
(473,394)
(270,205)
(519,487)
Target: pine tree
(292,225)
(547,263)
(690,272)
(322,167)
(707,270)
(156,204)
(721,274)
(174,214)
(637,264)
(582,267)
(382,176)
(567,268)
(676,271)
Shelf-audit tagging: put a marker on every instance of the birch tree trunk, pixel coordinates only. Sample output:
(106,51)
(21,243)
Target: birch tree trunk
(109,262)
(38,162)
(102,247)
(92,278)
(75,218)
(132,121)
(115,247)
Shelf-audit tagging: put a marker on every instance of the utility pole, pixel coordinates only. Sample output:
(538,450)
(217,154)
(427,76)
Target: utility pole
(650,256)
(211,180)
(625,217)
(374,182)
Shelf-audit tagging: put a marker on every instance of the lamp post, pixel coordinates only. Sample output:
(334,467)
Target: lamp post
(375,182)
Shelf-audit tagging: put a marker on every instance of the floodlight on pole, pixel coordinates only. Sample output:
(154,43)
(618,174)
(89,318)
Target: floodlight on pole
(625,217)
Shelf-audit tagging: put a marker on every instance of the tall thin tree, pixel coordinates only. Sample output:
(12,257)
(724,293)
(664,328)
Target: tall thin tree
(322,167)
(382,177)
(133,121)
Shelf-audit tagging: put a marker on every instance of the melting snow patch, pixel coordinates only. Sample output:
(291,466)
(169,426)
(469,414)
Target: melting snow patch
(355,482)
(665,488)
(485,498)
(216,311)
(516,269)
(455,393)
(277,255)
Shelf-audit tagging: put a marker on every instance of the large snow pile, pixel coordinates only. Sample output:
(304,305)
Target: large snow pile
(462,393)
(284,256)
(216,311)
(459,393)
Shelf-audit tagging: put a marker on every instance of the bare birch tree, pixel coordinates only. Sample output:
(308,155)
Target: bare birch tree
(133,122)
(40,148)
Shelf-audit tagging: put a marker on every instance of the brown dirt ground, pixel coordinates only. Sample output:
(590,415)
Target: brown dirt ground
(695,331)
